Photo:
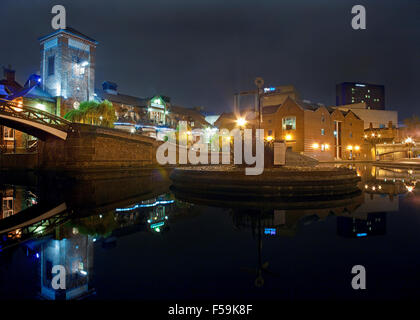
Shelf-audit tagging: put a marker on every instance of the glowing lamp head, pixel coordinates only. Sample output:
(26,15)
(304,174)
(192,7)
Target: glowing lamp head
(270,138)
(288,137)
(349,147)
(241,122)
(315,146)
(410,188)
(327,146)
(357,148)
(408,140)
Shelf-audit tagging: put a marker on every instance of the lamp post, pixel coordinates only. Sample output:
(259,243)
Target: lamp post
(409,143)
(259,82)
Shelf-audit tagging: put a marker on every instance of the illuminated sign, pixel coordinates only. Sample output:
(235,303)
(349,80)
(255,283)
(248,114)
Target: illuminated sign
(270,231)
(361,234)
(271,89)
(157,102)
(360,85)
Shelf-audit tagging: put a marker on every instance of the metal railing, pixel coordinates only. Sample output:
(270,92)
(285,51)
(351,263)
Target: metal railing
(20,111)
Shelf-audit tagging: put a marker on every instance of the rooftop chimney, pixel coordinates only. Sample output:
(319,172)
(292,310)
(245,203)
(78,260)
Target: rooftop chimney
(9,73)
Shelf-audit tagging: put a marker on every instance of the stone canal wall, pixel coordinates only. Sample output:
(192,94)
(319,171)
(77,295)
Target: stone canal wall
(87,148)
(91,147)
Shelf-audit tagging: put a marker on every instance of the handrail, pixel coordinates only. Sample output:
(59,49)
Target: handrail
(33,114)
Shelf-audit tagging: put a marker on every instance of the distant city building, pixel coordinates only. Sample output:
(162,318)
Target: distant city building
(68,67)
(351,92)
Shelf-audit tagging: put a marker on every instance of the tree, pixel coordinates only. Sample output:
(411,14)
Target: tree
(94,113)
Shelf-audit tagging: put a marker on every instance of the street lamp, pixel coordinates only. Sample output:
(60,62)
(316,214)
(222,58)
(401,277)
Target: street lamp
(409,142)
(259,82)
(241,122)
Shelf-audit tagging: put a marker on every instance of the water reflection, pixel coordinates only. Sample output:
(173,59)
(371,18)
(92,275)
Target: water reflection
(39,231)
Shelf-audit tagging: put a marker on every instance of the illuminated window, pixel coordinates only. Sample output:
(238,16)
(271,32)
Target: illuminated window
(9,134)
(7,207)
(289,123)
(323,132)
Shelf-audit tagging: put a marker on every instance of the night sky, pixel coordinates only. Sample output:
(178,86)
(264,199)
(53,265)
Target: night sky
(199,52)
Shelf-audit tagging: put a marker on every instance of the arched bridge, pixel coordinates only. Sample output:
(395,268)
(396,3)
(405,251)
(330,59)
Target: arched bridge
(390,149)
(33,121)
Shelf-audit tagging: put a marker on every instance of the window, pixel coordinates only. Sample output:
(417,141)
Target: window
(322,132)
(270,132)
(323,118)
(9,134)
(351,134)
(51,65)
(289,123)
(7,207)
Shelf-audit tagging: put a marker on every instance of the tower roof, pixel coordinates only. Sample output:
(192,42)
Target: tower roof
(69,31)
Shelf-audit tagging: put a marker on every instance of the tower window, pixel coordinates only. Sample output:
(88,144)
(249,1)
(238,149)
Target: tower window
(323,132)
(51,65)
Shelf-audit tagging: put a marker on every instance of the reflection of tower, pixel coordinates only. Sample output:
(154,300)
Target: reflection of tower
(68,66)
(76,255)
(373,225)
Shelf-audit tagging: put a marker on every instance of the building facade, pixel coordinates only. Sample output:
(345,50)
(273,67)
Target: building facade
(321,132)
(371,94)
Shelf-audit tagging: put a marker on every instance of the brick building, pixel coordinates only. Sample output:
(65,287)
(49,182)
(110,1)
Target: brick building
(315,130)
(31,95)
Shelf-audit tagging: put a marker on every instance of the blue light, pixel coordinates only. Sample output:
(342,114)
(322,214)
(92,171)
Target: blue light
(37,255)
(361,234)
(147,205)
(271,89)
(270,231)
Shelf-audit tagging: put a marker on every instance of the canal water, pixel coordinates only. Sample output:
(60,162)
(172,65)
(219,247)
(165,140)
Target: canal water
(139,241)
